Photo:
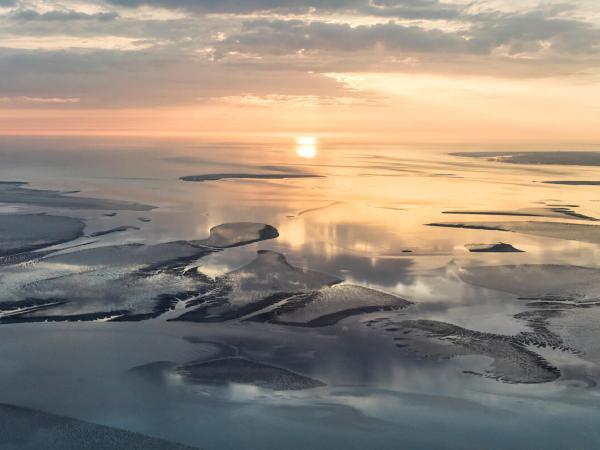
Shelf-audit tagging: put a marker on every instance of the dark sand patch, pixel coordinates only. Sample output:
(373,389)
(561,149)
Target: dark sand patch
(28,232)
(237,234)
(561,212)
(488,226)
(512,361)
(284,169)
(248,176)
(318,208)
(329,305)
(540,335)
(269,289)
(203,162)
(244,371)
(120,229)
(563,304)
(266,281)
(556,230)
(500,247)
(550,158)
(16,192)
(537,281)
(574,183)
(572,328)
(445,175)
(113,291)
(121,282)
(564,310)
(30,429)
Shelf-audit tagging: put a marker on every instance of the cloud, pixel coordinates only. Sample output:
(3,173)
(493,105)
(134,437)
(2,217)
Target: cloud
(529,31)
(42,100)
(412,9)
(59,42)
(534,31)
(169,52)
(23,15)
(293,101)
(292,36)
(153,77)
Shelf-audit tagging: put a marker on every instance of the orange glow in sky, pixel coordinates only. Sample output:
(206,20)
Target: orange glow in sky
(522,71)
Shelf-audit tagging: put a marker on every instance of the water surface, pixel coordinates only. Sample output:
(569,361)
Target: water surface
(324,310)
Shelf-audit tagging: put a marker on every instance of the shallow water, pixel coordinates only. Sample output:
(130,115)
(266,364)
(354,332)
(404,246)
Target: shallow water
(389,332)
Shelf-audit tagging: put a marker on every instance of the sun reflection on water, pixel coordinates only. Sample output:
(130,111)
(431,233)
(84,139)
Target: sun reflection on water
(306,146)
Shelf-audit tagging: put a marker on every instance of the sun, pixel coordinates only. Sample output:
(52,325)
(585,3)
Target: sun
(306,146)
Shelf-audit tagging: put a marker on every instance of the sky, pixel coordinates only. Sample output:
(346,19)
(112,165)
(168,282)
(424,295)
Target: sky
(395,70)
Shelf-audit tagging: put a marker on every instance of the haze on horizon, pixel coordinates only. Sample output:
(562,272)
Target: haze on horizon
(416,70)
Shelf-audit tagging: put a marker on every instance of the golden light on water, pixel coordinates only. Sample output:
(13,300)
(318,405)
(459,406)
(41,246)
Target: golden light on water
(306,146)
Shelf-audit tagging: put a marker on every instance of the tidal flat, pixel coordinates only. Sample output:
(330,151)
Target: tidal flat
(314,302)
